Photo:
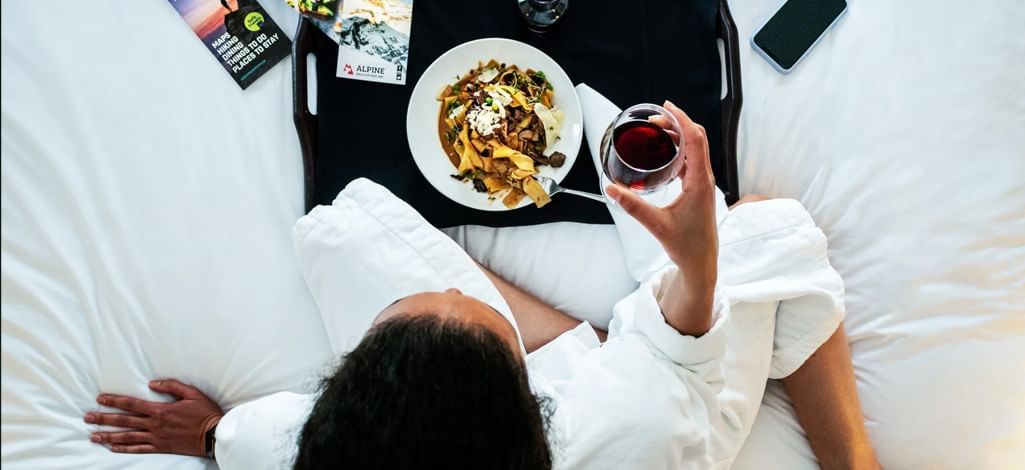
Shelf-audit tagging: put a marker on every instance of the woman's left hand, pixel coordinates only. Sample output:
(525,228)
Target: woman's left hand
(178,427)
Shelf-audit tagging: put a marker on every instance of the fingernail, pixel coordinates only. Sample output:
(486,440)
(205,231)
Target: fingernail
(155,383)
(612,192)
(669,104)
(89,418)
(95,437)
(102,399)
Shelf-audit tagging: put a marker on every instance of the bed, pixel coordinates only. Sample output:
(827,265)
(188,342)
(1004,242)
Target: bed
(147,206)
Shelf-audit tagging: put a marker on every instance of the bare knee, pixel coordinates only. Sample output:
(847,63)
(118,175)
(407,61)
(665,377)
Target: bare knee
(750,198)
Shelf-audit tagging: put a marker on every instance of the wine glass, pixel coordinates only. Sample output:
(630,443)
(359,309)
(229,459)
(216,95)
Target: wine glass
(642,150)
(541,15)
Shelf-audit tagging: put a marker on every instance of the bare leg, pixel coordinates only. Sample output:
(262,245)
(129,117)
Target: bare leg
(826,401)
(825,398)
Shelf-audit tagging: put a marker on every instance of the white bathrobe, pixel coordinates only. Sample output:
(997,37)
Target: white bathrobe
(649,398)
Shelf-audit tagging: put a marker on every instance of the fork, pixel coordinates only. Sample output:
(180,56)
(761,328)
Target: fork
(553,188)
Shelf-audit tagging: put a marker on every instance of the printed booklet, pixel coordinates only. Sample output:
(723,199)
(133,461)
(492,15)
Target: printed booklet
(374,40)
(372,35)
(239,33)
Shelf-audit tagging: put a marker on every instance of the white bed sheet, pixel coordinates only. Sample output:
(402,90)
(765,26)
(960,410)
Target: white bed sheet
(147,207)
(147,203)
(903,133)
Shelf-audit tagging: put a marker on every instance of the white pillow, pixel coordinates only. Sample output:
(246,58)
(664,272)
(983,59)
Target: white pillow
(369,248)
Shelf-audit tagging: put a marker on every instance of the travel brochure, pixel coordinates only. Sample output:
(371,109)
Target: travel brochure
(374,42)
(239,33)
(372,35)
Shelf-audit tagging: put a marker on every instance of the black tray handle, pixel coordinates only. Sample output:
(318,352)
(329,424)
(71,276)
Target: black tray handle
(731,104)
(305,121)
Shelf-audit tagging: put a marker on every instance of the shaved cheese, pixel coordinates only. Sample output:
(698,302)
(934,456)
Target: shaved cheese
(517,96)
(499,95)
(487,75)
(456,112)
(551,119)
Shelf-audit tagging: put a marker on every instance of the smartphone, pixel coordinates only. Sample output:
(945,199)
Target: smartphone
(791,32)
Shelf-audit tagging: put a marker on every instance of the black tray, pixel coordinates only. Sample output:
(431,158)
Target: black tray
(639,51)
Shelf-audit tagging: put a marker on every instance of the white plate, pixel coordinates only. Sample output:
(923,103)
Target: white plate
(422,115)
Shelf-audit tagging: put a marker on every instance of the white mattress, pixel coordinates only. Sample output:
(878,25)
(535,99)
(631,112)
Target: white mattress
(147,203)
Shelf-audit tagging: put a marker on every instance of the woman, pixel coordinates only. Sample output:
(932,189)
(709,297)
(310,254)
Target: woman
(442,379)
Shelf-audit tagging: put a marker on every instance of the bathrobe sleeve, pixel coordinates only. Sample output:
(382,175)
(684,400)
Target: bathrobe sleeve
(263,434)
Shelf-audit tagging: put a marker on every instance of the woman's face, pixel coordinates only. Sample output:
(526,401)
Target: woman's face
(453,304)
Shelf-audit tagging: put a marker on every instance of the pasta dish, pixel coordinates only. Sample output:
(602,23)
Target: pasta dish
(498,124)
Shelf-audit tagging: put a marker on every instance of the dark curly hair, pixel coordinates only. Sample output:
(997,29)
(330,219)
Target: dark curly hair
(424,392)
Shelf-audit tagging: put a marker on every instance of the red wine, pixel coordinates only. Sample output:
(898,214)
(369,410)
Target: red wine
(644,145)
(644,152)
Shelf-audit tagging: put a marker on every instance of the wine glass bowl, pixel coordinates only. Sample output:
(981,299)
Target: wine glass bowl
(642,149)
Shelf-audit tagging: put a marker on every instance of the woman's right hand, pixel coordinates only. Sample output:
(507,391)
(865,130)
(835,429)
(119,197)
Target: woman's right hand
(178,427)
(686,228)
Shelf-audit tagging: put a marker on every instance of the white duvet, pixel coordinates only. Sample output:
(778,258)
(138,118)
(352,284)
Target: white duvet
(147,202)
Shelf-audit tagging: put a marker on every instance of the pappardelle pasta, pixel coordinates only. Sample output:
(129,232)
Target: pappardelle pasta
(498,124)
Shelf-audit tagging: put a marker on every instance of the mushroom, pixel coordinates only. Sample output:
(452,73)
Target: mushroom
(557,159)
